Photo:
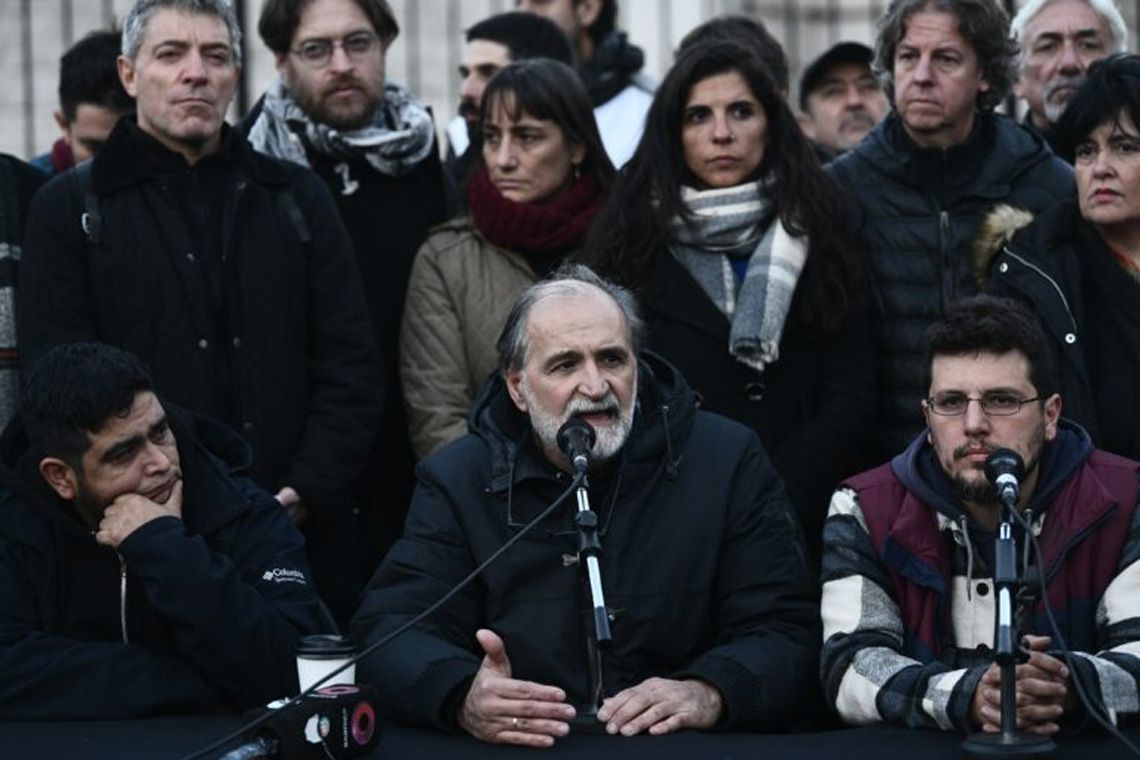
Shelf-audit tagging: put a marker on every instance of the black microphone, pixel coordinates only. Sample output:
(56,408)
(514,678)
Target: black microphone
(1005,468)
(575,439)
(333,722)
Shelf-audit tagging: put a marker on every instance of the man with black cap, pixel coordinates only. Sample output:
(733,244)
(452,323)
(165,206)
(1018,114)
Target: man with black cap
(840,99)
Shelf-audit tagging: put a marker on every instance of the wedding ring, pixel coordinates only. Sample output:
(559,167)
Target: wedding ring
(514,723)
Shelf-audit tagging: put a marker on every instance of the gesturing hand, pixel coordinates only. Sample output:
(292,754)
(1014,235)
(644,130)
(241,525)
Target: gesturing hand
(1042,691)
(504,710)
(130,511)
(661,705)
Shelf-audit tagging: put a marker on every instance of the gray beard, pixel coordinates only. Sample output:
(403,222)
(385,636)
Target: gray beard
(1053,110)
(609,439)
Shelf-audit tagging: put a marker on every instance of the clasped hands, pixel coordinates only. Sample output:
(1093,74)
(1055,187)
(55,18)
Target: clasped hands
(504,710)
(1043,694)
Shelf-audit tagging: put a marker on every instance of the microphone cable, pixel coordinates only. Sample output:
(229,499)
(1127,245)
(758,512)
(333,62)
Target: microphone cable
(293,701)
(1092,706)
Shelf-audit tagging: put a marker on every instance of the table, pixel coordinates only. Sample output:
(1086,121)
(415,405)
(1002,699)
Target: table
(161,738)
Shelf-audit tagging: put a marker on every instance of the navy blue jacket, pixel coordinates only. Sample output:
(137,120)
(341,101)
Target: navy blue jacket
(192,615)
(920,210)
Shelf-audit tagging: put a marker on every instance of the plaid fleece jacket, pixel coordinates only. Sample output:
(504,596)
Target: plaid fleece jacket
(908,605)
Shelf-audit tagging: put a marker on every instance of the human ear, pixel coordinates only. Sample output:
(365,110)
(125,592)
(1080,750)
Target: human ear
(127,75)
(60,477)
(514,380)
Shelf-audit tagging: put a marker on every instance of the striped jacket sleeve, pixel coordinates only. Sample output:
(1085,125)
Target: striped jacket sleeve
(867,677)
(1114,671)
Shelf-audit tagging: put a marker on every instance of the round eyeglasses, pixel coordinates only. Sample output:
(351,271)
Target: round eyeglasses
(317,53)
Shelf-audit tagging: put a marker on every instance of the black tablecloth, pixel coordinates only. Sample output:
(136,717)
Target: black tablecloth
(176,737)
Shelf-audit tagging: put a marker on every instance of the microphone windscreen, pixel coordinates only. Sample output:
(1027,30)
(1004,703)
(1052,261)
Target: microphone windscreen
(1004,462)
(576,436)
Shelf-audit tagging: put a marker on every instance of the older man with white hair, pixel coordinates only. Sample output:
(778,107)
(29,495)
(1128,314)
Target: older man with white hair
(1059,40)
(707,588)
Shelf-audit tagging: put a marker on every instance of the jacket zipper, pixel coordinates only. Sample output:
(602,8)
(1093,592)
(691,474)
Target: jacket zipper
(123,599)
(944,250)
(1060,293)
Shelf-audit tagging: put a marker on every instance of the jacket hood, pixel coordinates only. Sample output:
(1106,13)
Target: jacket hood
(918,470)
(663,416)
(997,229)
(611,68)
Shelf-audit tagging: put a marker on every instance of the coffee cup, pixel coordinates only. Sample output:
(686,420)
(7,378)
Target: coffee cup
(320,654)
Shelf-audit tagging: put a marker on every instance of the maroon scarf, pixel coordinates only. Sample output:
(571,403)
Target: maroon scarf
(533,228)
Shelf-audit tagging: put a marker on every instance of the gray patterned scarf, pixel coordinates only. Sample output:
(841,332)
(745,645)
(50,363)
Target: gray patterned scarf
(739,223)
(391,151)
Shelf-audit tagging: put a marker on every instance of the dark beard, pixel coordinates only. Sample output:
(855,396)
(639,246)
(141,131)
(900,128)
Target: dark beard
(87,505)
(343,121)
(983,493)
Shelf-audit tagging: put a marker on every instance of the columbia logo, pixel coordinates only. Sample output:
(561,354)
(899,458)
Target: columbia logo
(283,575)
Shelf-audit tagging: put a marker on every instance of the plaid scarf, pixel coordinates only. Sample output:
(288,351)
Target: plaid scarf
(740,223)
(393,151)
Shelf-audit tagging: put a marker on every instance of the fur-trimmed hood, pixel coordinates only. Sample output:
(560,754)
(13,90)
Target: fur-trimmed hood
(998,228)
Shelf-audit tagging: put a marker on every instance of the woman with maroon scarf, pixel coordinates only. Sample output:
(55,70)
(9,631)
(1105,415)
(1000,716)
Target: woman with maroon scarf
(542,179)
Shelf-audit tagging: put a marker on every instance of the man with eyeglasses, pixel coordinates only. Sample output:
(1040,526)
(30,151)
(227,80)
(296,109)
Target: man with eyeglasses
(228,272)
(374,145)
(908,596)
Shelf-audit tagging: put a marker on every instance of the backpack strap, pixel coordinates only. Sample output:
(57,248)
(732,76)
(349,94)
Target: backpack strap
(90,220)
(288,203)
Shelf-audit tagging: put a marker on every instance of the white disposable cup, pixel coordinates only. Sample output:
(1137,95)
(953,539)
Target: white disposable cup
(320,655)
(310,670)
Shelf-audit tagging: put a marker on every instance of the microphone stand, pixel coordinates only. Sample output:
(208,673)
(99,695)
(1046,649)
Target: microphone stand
(1007,652)
(589,549)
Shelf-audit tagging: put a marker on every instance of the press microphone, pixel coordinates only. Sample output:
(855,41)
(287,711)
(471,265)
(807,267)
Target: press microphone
(575,439)
(333,722)
(1004,468)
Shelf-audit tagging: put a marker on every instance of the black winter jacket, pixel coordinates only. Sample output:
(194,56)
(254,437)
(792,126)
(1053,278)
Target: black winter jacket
(704,570)
(813,408)
(388,219)
(192,615)
(1050,265)
(920,212)
(256,318)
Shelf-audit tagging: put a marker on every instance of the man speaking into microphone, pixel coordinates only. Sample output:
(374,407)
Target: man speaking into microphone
(713,610)
(908,593)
